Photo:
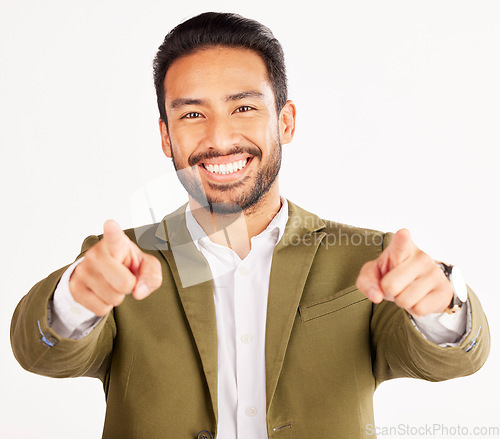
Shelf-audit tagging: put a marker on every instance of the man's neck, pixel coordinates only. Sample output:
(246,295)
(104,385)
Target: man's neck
(236,230)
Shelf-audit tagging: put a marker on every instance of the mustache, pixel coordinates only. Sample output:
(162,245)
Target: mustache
(237,149)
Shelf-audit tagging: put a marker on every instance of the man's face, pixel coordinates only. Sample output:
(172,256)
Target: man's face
(224,134)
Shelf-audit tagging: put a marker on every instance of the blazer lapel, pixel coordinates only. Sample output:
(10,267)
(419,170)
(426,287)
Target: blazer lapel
(292,260)
(193,279)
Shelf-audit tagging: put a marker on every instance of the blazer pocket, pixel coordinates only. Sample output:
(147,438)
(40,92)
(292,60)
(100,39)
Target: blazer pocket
(340,300)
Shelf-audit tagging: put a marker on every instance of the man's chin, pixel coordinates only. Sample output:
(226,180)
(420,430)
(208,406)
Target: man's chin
(224,208)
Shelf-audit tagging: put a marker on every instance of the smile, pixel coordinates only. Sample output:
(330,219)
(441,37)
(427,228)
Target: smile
(226,168)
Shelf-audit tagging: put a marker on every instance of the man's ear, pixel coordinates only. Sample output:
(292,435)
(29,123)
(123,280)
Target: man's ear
(287,122)
(165,139)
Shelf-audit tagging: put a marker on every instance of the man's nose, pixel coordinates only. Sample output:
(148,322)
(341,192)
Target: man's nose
(221,133)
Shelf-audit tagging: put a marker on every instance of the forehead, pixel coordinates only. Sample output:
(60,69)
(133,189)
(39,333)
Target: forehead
(215,72)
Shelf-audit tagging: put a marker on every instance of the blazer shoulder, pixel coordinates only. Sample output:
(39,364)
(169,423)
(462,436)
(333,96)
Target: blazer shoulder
(331,225)
(356,236)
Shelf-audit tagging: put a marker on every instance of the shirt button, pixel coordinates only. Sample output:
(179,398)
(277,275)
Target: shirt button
(251,411)
(243,270)
(204,435)
(246,338)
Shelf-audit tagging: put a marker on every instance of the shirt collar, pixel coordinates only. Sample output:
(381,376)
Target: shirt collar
(277,223)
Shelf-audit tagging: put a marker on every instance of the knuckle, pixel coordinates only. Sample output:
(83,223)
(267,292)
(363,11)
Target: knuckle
(363,285)
(91,255)
(79,291)
(76,292)
(153,261)
(387,286)
(419,255)
(364,268)
(118,299)
(419,309)
(108,298)
(157,280)
(101,311)
(364,274)
(403,302)
(423,258)
(81,270)
(157,264)
(153,274)
(82,296)
(368,266)
(125,285)
(74,282)
(438,275)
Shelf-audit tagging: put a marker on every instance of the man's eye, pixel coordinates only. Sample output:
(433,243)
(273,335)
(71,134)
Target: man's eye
(192,115)
(243,109)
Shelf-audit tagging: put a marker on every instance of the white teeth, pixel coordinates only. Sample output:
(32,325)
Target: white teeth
(228,168)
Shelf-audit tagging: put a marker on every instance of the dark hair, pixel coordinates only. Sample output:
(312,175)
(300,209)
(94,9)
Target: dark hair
(221,29)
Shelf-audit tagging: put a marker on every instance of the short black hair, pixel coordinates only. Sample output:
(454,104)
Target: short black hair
(221,29)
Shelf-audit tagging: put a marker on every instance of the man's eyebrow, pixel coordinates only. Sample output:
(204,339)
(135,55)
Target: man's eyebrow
(181,102)
(245,94)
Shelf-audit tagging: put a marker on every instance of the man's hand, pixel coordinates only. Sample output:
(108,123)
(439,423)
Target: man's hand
(112,269)
(406,275)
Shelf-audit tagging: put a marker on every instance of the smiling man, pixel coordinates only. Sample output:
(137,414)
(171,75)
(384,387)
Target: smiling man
(225,132)
(241,315)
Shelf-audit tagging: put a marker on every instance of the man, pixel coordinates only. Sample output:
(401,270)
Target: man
(240,314)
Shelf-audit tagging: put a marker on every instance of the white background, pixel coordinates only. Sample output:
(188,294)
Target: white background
(398,125)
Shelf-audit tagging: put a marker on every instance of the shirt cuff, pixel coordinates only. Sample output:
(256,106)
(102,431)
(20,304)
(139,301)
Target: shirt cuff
(445,329)
(67,317)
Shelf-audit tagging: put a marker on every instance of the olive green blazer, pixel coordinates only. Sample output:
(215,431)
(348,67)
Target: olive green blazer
(327,346)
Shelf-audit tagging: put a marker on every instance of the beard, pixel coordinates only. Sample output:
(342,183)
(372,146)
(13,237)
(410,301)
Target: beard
(230,198)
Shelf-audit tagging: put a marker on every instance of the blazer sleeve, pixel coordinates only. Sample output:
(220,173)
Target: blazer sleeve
(400,350)
(41,350)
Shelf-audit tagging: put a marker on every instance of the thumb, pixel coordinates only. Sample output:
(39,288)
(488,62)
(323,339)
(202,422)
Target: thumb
(116,241)
(400,248)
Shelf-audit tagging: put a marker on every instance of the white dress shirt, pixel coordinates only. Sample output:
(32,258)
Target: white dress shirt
(240,297)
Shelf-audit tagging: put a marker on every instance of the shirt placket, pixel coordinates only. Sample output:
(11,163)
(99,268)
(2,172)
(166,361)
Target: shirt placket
(248,341)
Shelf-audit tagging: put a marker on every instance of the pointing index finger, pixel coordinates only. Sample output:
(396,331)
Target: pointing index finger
(401,247)
(116,240)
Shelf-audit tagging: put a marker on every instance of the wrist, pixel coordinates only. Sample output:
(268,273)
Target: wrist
(458,285)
